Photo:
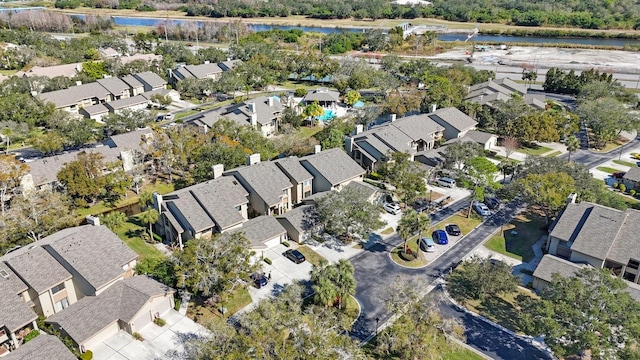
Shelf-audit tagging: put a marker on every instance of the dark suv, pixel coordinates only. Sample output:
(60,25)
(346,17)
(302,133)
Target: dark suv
(294,255)
(492,202)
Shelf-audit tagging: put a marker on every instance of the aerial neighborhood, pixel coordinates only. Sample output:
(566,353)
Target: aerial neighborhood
(202,188)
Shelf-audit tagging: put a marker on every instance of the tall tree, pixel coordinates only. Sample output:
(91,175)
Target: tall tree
(114,220)
(549,191)
(149,217)
(573,144)
(607,118)
(589,311)
(479,278)
(11,171)
(407,177)
(407,226)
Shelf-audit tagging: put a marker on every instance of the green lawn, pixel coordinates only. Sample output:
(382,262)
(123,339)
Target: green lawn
(408,260)
(132,198)
(307,132)
(501,309)
(203,314)
(535,150)
(311,256)
(529,227)
(625,163)
(554,154)
(131,235)
(352,309)
(387,231)
(460,219)
(608,169)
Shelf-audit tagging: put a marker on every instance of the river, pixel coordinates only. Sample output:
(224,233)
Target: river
(138,21)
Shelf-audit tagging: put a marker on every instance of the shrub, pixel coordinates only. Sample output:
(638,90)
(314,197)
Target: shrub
(300,92)
(490,153)
(31,335)
(160,322)
(137,336)
(178,303)
(375,176)
(286,243)
(87,355)
(268,261)
(632,192)
(615,185)
(622,187)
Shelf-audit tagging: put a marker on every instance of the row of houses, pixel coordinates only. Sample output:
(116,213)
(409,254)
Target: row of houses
(207,70)
(81,280)
(109,94)
(416,136)
(490,92)
(260,199)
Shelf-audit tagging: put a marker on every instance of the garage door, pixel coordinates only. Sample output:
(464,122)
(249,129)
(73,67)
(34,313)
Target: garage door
(101,336)
(159,306)
(163,304)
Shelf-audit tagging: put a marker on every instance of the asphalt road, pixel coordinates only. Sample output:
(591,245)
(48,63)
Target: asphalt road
(591,159)
(374,271)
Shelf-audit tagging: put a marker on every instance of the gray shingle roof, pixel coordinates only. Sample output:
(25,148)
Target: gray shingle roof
(322,95)
(266,180)
(454,117)
(478,136)
(151,79)
(365,189)
(96,109)
(419,126)
(15,312)
(625,246)
(334,165)
(96,253)
(241,114)
(129,140)
(261,229)
(127,102)
(114,85)
(301,218)
(121,301)
(292,168)
(149,94)
(75,94)
(633,174)
(201,71)
(37,268)
(550,265)
(209,204)
(132,81)
(43,346)
(229,65)
(590,227)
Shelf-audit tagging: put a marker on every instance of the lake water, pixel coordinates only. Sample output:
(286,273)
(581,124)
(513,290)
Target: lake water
(135,21)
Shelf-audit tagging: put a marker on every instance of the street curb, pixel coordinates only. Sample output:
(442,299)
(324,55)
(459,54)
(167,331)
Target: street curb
(403,266)
(527,338)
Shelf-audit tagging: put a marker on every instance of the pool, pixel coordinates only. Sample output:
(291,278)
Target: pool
(327,116)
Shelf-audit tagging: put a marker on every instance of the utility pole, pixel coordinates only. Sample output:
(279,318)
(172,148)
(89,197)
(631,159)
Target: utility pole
(236,31)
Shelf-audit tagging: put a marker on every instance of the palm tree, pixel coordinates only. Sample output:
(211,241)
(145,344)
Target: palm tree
(407,226)
(149,217)
(423,223)
(146,199)
(345,283)
(326,292)
(114,220)
(573,144)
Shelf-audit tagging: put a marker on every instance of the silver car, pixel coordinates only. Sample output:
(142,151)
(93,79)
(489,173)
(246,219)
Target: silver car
(481,209)
(392,208)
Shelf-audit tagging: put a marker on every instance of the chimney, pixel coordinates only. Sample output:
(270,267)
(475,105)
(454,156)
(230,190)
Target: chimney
(157,202)
(571,199)
(254,120)
(270,101)
(78,83)
(253,159)
(393,117)
(317,149)
(217,170)
(93,220)
(252,107)
(359,128)
(434,107)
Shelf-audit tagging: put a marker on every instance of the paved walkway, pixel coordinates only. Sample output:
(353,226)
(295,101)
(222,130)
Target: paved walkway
(516,155)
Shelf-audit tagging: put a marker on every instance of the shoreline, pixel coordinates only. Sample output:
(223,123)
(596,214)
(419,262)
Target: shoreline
(302,21)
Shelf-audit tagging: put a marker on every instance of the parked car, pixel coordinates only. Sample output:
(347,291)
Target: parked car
(421,205)
(492,202)
(440,237)
(294,255)
(392,208)
(259,280)
(481,209)
(453,230)
(168,116)
(635,156)
(618,175)
(446,182)
(427,245)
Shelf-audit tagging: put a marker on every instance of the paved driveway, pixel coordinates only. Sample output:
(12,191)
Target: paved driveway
(159,342)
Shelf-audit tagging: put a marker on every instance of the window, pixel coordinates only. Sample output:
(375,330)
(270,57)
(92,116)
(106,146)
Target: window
(633,264)
(307,183)
(56,289)
(62,304)
(238,208)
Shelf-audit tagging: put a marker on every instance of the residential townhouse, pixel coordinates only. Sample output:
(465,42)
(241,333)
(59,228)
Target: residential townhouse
(587,234)
(325,97)
(631,179)
(269,188)
(247,198)
(490,92)
(331,169)
(43,172)
(116,87)
(60,275)
(262,113)
(43,346)
(150,81)
(208,70)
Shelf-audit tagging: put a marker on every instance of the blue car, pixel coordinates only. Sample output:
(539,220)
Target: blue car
(440,237)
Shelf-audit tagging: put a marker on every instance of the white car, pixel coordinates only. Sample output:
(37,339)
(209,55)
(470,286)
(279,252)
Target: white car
(481,209)
(392,208)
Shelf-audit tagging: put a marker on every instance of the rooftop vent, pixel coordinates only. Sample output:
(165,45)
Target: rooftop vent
(4,274)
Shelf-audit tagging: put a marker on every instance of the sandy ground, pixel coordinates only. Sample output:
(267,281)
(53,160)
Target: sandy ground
(545,57)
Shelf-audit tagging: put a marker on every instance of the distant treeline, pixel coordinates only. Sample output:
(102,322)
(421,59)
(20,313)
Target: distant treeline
(558,33)
(42,20)
(584,14)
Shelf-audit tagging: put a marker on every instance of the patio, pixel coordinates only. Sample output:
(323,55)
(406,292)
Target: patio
(159,342)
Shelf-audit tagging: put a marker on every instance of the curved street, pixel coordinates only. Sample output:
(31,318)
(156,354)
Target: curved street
(374,271)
